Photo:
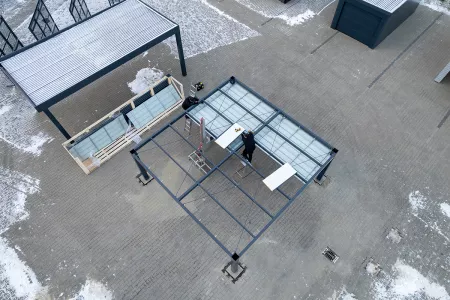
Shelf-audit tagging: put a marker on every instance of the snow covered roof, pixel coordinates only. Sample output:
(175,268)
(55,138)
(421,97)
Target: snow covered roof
(387,5)
(55,67)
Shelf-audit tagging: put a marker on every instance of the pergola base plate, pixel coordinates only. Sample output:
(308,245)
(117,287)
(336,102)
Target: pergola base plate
(323,182)
(234,276)
(142,180)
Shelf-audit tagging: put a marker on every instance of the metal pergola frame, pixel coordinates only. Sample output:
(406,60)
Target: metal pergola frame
(79,10)
(49,28)
(13,47)
(45,106)
(146,172)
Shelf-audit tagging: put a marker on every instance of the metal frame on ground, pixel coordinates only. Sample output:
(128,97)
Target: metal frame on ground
(317,175)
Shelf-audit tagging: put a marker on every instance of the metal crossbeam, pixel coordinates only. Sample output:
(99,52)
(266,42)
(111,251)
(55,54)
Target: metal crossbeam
(208,193)
(137,159)
(270,127)
(285,207)
(322,167)
(216,167)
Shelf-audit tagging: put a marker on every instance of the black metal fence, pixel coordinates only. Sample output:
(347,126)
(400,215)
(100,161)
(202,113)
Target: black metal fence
(8,40)
(42,23)
(79,10)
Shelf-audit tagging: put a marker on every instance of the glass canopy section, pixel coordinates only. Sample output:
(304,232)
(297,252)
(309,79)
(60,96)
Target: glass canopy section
(233,206)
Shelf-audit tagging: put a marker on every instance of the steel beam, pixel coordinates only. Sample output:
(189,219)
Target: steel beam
(216,167)
(184,208)
(270,127)
(286,206)
(57,124)
(198,184)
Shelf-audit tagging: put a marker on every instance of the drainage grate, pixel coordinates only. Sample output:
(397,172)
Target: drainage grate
(330,254)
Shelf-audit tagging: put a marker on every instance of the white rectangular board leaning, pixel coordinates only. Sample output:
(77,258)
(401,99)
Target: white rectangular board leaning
(230,135)
(278,177)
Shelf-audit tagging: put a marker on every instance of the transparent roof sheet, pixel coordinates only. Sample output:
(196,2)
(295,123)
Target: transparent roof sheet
(276,134)
(55,65)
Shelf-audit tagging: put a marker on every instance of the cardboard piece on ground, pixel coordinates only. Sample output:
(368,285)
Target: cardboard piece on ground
(230,135)
(278,177)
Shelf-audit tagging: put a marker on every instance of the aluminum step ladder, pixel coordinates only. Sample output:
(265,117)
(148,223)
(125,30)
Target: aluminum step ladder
(193,91)
(187,125)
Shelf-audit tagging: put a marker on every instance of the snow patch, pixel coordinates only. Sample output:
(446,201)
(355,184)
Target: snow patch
(438,5)
(292,13)
(408,283)
(342,295)
(36,142)
(445,208)
(20,120)
(14,189)
(417,201)
(93,290)
(394,236)
(4,109)
(16,278)
(203,26)
(144,79)
(373,269)
(299,19)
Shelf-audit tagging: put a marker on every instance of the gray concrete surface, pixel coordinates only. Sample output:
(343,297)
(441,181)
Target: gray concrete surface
(380,108)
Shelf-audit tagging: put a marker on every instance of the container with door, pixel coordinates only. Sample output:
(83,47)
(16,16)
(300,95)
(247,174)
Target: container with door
(371,21)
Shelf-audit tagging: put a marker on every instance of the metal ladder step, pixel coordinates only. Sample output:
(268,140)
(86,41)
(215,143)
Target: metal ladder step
(187,125)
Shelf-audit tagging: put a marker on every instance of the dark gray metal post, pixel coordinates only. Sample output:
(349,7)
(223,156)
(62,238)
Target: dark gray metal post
(319,177)
(180,51)
(57,124)
(142,170)
(235,263)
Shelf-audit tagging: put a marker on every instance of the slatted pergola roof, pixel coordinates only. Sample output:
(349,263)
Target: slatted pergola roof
(57,66)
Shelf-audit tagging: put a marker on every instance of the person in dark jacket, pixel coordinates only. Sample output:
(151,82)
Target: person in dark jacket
(249,145)
(188,102)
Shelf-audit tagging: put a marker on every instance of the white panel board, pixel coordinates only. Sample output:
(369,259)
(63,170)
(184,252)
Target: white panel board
(230,135)
(278,177)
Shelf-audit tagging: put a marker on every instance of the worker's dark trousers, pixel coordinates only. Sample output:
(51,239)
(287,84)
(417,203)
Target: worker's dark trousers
(248,155)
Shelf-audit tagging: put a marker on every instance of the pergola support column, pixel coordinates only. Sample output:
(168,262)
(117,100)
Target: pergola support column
(180,51)
(57,124)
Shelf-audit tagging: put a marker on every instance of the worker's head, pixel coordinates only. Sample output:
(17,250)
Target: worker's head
(245,133)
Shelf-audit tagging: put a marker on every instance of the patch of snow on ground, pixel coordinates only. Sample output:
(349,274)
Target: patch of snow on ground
(342,295)
(18,122)
(36,143)
(203,26)
(293,13)
(394,236)
(93,290)
(17,280)
(438,5)
(417,201)
(21,282)
(408,283)
(373,269)
(144,79)
(299,19)
(445,208)
(14,189)
(4,109)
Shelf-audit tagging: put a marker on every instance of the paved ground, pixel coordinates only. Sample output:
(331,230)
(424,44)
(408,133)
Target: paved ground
(380,108)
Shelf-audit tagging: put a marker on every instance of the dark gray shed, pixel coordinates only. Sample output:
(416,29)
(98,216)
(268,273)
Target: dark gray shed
(371,21)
